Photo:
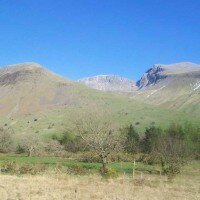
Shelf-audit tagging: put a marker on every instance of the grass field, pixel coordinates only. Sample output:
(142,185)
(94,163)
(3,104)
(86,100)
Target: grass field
(61,186)
(51,162)
(56,184)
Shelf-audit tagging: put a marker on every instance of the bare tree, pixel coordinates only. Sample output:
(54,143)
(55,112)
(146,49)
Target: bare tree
(173,154)
(32,145)
(54,148)
(6,140)
(99,134)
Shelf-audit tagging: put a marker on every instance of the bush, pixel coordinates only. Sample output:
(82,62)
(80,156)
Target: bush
(54,148)
(26,169)
(121,157)
(77,169)
(109,173)
(20,149)
(88,156)
(70,142)
(8,167)
(150,159)
(31,169)
(13,168)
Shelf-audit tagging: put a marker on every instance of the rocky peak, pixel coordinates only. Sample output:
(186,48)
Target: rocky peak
(159,71)
(151,76)
(109,83)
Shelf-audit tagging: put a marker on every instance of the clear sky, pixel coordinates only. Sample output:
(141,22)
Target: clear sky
(78,38)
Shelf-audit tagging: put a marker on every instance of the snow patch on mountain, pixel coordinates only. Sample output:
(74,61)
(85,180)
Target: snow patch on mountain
(196,85)
(155,91)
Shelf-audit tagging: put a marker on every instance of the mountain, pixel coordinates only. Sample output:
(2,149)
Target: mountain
(109,83)
(34,100)
(159,72)
(28,87)
(175,86)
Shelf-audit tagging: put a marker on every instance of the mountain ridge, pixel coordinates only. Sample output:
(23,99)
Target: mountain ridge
(33,98)
(159,71)
(150,77)
(109,83)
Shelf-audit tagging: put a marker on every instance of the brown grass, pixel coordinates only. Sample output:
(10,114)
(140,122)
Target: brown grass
(59,186)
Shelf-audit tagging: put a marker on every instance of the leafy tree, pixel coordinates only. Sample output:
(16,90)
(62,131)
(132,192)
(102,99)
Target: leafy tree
(176,131)
(70,142)
(192,135)
(131,139)
(172,147)
(149,143)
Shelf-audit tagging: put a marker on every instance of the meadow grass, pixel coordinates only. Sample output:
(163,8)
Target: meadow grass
(61,186)
(54,184)
(120,167)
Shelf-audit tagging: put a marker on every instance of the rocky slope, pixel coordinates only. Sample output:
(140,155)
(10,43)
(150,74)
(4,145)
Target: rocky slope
(109,83)
(174,86)
(159,72)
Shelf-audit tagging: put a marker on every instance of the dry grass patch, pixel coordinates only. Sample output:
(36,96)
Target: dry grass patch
(54,186)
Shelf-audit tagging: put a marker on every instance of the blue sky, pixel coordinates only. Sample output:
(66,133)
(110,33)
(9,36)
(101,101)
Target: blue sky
(78,38)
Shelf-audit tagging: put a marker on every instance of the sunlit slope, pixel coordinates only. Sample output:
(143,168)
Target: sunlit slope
(27,87)
(173,86)
(34,100)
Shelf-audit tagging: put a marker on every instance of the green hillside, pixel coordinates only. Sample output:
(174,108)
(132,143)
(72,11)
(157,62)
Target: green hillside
(37,101)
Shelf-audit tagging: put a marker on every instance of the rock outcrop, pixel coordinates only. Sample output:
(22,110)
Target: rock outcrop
(109,83)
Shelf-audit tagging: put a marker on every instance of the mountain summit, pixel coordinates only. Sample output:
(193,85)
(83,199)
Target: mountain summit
(160,71)
(174,86)
(109,83)
(27,87)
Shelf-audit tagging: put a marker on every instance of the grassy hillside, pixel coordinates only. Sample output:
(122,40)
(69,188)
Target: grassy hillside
(36,101)
(179,90)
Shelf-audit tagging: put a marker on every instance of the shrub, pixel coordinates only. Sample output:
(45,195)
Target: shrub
(121,157)
(54,148)
(88,156)
(150,159)
(109,173)
(20,149)
(70,142)
(8,167)
(40,167)
(77,169)
(14,168)
(26,169)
